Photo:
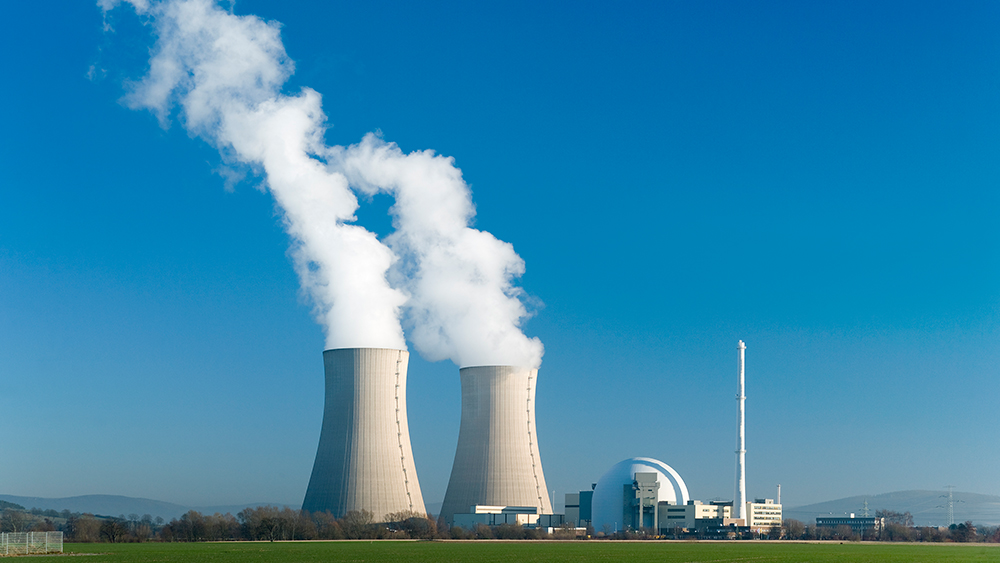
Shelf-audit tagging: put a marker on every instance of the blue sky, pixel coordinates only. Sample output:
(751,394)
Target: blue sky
(818,181)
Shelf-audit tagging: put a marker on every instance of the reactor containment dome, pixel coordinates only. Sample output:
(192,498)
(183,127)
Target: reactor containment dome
(609,494)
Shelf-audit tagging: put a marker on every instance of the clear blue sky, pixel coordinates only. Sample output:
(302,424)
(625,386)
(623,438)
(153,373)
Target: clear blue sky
(818,181)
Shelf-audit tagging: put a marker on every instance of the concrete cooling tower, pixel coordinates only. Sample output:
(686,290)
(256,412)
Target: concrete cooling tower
(497,461)
(364,460)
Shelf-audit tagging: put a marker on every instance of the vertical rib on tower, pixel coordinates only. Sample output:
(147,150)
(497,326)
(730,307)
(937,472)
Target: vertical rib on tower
(497,461)
(741,445)
(364,460)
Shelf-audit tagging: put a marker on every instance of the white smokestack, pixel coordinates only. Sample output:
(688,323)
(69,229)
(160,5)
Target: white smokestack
(741,445)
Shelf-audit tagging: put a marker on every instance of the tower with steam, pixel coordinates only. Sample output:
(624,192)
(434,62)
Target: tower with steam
(497,461)
(364,460)
(740,502)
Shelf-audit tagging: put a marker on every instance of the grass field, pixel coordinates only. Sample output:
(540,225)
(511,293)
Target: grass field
(521,551)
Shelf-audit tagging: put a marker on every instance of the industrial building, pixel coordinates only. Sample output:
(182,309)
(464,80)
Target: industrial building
(628,495)
(644,493)
(526,516)
(763,514)
(497,461)
(579,507)
(696,514)
(364,460)
(859,525)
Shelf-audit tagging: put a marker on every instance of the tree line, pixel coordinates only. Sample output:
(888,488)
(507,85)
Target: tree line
(261,523)
(270,523)
(898,527)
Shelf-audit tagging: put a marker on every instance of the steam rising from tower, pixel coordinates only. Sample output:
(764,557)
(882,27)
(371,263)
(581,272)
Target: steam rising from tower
(462,302)
(451,283)
(226,73)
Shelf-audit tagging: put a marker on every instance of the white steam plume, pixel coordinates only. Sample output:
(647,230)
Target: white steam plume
(226,74)
(463,304)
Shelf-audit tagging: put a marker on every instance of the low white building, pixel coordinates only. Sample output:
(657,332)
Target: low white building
(687,516)
(497,515)
(526,516)
(763,514)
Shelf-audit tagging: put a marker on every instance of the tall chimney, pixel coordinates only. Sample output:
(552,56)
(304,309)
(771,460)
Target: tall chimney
(497,461)
(364,460)
(741,445)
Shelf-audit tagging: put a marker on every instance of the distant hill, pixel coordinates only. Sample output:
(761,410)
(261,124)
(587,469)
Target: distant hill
(114,505)
(929,508)
(4,504)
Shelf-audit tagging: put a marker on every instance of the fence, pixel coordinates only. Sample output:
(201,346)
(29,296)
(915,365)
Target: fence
(26,543)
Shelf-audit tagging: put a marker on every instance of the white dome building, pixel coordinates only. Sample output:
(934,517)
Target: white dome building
(613,509)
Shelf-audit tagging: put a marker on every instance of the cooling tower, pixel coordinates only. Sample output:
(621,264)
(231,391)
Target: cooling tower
(497,461)
(364,460)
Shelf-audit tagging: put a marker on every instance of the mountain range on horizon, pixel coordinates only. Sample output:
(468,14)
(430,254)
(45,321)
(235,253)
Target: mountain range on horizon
(929,508)
(116,505)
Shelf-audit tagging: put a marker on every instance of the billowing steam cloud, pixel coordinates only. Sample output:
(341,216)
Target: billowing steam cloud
(455,283)
(463,304)
(226,74)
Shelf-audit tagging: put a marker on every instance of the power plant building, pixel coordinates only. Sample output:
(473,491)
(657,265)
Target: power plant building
(629,495)
(364,460)
(858,525)
(497,462)
(644,493)
(695,514)
(579,507)
(526,516)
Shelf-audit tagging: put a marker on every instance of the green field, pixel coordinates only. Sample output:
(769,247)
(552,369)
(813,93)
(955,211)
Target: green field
(523,551)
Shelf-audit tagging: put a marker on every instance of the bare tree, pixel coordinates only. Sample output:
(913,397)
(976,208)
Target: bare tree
(13,521)
(327,527)
(412,524)
(359,524)
(794,529)
(112,530)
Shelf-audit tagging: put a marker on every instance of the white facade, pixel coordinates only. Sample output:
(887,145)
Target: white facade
(763,514)
(496,516)
(364,460)
(497,460)
(687,515)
